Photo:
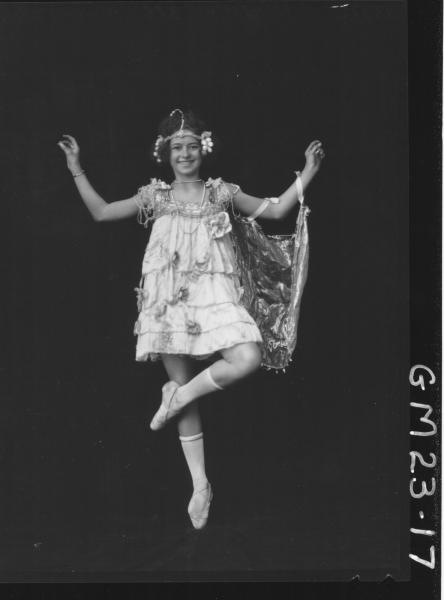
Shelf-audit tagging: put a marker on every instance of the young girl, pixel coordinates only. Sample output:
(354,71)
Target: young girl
(189,296)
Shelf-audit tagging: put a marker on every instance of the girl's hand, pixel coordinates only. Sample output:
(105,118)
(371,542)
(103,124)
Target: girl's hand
(71,149)
(314,155)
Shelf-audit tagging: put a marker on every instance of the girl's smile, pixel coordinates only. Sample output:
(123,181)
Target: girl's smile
(185,155)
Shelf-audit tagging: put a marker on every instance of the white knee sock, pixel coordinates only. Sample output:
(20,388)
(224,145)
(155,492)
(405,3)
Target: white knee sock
(200,385)
(193,449)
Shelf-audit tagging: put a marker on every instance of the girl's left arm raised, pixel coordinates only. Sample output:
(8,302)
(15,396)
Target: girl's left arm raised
(249,204)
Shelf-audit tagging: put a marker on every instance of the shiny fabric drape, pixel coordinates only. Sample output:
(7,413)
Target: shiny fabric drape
(273,271)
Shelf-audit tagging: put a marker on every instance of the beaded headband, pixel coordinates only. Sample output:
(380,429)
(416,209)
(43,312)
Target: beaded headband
(205,137)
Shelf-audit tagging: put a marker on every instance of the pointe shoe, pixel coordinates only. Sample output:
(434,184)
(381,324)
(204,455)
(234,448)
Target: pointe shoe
(168,407)
(199,516)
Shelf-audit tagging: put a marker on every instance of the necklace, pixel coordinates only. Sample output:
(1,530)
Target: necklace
(200,209)
(191,181)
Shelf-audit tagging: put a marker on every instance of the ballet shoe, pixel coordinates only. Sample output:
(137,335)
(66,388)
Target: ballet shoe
(168,407)
(199,516)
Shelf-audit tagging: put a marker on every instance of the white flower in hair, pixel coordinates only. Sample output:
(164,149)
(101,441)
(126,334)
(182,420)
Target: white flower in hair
(206,142)
(157,145)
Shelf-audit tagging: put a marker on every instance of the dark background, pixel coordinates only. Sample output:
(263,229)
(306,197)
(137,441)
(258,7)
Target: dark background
(309,467)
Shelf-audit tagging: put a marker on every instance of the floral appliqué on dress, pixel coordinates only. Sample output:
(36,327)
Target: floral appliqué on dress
(219,225)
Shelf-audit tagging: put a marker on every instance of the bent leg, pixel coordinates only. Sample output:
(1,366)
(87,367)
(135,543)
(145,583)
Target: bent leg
(236,363)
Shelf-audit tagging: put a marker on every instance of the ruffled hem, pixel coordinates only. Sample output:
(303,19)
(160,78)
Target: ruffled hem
(203,345)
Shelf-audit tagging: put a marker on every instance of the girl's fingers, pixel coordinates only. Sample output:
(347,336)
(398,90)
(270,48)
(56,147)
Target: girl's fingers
(69,139)
(315,145)
(315,150)
(318,147)
(67,149)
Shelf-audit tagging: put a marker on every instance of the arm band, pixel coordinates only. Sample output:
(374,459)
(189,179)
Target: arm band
(259,210)
(299,187)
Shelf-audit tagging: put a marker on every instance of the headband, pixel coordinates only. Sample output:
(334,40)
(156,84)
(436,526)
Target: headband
(205,137)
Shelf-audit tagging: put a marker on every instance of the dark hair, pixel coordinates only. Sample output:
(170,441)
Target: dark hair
(171,124)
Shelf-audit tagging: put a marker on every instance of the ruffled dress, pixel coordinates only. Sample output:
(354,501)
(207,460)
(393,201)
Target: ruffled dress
(189,295)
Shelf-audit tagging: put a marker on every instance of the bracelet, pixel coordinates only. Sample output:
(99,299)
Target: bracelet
(79,173)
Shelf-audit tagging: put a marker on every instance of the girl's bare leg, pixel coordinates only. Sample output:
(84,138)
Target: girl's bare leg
(181,370)
(236,363)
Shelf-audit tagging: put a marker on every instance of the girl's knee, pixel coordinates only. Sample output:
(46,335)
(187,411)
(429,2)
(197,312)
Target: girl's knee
(249,357)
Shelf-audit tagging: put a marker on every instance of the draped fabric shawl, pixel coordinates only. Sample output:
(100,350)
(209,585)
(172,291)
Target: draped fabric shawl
(273,270)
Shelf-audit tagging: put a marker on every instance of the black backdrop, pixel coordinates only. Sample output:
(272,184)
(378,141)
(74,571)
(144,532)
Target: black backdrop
(308,465)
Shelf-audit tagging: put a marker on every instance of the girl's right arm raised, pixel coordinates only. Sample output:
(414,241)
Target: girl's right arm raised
(100,209)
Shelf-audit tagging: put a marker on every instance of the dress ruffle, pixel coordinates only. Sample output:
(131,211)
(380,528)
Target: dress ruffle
(200,345)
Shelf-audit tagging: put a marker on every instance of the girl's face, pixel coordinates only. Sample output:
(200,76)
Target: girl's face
(185,157)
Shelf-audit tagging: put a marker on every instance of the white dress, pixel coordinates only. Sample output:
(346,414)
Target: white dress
(189,294)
